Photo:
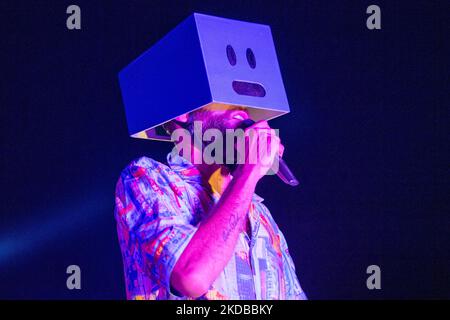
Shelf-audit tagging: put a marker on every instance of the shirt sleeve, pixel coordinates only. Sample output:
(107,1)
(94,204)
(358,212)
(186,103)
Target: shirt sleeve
(158,228)
(293,289)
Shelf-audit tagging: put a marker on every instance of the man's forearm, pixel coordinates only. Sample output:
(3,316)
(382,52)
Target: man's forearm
(212,245)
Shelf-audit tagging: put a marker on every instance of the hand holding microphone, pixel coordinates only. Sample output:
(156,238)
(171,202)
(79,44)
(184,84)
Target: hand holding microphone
(264,165)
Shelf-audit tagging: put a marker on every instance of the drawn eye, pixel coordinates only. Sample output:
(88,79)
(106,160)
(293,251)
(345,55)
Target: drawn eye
(231,55)
(251,58)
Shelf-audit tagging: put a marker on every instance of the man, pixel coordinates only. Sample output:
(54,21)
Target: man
(198,231)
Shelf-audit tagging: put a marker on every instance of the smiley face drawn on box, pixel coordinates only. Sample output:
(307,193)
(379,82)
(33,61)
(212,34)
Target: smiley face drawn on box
(241,63)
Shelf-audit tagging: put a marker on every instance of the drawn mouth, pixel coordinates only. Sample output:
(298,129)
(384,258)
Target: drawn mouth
(245,88)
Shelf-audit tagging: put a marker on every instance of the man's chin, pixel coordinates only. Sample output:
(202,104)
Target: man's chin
(233,124)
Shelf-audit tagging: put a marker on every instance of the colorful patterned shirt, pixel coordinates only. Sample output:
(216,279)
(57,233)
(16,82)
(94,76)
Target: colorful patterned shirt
(158,210)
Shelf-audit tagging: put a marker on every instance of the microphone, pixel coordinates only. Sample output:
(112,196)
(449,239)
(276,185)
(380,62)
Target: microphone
(284,173)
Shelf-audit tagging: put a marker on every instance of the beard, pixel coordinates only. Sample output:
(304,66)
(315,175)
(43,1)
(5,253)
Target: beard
(219,122)
(210,121)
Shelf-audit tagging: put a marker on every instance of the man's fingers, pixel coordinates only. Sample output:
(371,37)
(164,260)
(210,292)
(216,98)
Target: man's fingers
(258,125)
(263,143)
(281,150)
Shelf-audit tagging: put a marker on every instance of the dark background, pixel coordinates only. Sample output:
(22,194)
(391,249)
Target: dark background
(367,136)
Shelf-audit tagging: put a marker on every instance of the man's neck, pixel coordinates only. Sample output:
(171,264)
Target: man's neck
(216,176)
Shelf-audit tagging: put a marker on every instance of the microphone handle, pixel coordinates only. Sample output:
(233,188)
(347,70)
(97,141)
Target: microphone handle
(285,174)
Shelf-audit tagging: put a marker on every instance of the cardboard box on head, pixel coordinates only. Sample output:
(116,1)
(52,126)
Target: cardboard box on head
(205,61)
